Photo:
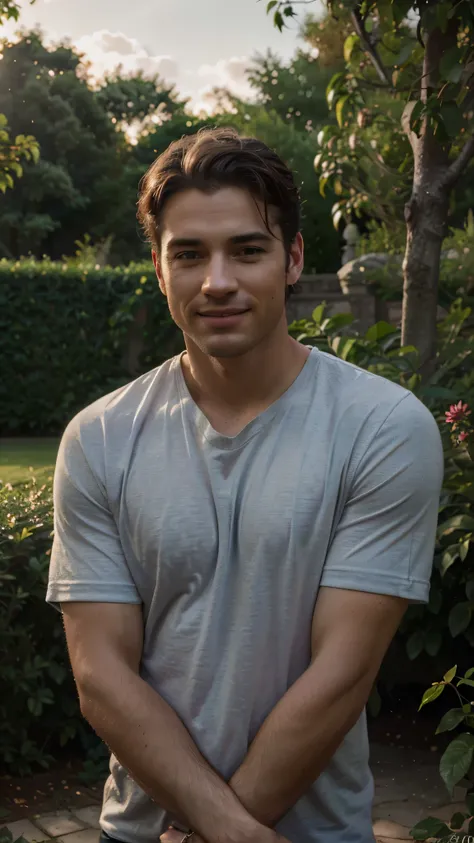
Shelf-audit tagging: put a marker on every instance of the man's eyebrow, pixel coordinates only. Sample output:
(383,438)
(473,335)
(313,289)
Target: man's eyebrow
(183,241)
(248,237)
(252,237)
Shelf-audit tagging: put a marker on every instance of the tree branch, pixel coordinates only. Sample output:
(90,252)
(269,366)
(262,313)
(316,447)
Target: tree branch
(359,27)
(456,169)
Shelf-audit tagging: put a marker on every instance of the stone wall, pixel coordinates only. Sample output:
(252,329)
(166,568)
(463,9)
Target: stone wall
(314,289)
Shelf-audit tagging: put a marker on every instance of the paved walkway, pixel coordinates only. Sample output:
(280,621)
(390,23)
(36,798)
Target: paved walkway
(407,789)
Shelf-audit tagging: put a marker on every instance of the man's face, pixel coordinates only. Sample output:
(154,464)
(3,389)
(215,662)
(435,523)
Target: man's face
(224,275)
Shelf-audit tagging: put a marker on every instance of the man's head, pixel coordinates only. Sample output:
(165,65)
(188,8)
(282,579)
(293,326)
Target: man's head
(222,214)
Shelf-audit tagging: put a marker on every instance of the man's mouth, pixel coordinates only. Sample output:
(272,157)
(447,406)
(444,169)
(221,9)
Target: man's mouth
(222,314)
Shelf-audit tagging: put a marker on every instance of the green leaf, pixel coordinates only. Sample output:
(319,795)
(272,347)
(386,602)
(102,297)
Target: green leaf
(340,109)
(336,219)
(457,522)
(468,675)
(339,320)
(278,21)
(336,82)
(431,827)
(289,12)
(379,330)
(469,682)
(432,694)
(451,66)
(318,313)
(442,11)
(451,720)
(449,557)
(271,5)
(452,118)
(463,551)
(458,820)
(459,618)
(404,54)
(449,676)
(456,761)
(433,642)
(415,645)
(416,114)
(322,186)
(342,346)
(349,45)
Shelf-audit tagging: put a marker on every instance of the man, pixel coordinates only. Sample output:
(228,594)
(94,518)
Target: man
(238,533)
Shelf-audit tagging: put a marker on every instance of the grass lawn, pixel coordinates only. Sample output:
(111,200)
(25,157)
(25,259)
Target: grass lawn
(18,455)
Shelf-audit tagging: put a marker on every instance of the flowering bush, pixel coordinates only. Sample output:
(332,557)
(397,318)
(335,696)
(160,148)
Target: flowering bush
(461,427)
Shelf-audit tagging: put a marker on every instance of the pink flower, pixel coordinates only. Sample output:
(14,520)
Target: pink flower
(463,436)
(457,412)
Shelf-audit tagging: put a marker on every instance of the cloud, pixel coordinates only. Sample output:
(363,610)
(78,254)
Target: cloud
(226,73)
(106,50)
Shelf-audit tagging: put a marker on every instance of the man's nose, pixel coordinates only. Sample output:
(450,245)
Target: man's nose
(220,280)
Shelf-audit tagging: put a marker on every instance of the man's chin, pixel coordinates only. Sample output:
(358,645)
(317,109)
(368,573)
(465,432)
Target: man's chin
(226,348)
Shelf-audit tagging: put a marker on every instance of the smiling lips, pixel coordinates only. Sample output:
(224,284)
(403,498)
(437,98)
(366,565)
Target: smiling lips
(225,318)
(222,314)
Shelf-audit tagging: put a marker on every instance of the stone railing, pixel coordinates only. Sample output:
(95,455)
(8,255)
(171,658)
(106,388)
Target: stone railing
(343,293)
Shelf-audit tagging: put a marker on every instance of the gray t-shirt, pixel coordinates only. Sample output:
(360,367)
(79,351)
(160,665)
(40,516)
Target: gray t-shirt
(226,541)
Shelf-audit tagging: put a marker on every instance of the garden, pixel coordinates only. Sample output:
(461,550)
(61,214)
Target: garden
(81,314)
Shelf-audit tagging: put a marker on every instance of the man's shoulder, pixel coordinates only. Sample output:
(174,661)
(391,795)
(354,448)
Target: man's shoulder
(366,398)
(114,414)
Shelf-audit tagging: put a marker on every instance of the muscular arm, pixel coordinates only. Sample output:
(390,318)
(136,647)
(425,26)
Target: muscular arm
(142,730)
(350,634)
(384,544)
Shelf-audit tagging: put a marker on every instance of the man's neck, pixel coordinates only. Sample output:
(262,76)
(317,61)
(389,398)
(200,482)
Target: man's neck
(231,391)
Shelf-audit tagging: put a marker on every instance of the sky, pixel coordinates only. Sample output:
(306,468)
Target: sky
(195,44)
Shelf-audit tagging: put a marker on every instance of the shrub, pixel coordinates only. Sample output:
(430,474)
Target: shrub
(456,763)
(38,701)
(72,334)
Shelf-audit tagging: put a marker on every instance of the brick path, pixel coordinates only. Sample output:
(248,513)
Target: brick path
(407,789)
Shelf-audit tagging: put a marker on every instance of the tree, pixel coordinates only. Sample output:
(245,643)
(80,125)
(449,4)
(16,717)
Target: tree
(420,54)
(295,90)
(60,198)
(24,146)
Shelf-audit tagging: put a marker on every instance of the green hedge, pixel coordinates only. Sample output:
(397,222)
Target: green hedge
(39,708)
(67,333)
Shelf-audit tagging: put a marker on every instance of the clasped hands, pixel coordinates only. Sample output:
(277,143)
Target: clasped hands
(266,835)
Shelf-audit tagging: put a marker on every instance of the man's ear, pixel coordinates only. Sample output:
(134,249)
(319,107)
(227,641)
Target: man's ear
(159,274)
(296,260)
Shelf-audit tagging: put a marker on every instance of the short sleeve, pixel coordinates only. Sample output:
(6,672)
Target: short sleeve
(384,542)
(87,559)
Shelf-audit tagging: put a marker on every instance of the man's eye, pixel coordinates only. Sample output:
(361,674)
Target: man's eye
(251,251)
(188,255)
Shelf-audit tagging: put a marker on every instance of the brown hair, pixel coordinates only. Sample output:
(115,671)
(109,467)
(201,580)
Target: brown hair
(215,158)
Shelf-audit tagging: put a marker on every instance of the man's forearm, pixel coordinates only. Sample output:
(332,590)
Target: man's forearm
(297,741)
(153,745)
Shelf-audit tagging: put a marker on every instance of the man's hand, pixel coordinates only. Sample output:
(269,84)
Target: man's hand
(267,835)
